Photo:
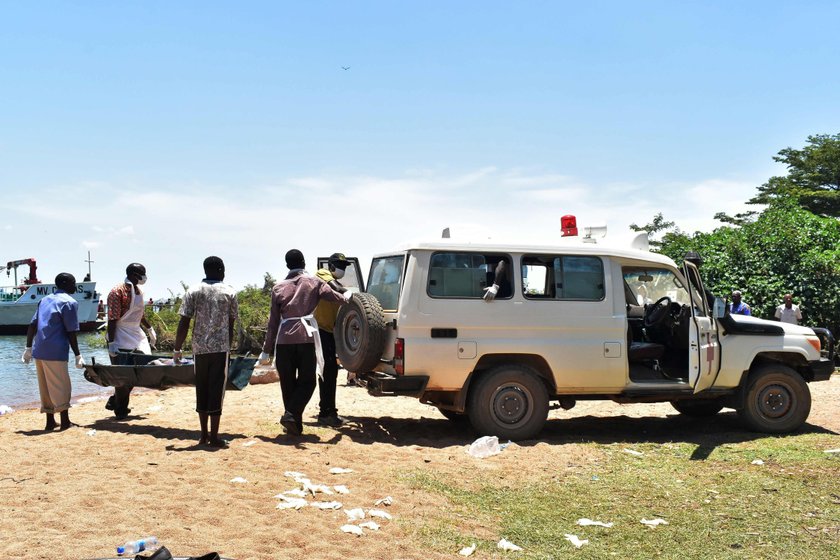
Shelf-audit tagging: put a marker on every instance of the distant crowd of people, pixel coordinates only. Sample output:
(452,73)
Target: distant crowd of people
(299,337)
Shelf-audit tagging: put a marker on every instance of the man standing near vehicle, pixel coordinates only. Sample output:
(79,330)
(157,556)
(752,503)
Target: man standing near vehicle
(125,317)
(788,312)
(325,314)
(214,306)
(737,307)
(51,334)
(293,333)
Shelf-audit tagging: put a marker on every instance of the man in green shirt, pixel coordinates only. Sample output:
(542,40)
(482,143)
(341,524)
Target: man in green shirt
(325,314)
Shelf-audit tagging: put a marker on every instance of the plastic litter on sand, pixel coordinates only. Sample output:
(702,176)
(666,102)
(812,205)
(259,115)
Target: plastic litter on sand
(485,446)
(91,432)
(292,503)
(584,522)
(4,409)
(355,514)
(505,544)
(238,480)
(326,505)
(577,542)
(296,492)
(386,501)
(832,451)
(633,452)
(352,529)
(340,470)
(653,522)
(249,443)
(467,550)
(314,488)
(757,462)
(379,513)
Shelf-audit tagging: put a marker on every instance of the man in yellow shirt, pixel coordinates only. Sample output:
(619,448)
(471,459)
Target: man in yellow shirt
(325,314)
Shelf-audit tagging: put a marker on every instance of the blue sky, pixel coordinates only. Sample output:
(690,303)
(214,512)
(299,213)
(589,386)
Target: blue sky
(167,131)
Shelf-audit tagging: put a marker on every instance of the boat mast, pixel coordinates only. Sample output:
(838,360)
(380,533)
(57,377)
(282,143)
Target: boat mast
(89,263)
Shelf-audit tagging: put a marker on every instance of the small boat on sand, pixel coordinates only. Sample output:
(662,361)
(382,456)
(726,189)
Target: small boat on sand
(157,372)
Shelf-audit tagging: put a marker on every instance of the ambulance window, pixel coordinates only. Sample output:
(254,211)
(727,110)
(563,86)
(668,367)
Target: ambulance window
(563,277)
(466,275)
(651,284)
(385,279)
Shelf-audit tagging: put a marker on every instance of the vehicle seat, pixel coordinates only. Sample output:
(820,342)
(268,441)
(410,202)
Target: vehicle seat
(640,351)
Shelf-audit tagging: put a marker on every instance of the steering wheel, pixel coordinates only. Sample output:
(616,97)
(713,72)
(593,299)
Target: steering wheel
(658,311)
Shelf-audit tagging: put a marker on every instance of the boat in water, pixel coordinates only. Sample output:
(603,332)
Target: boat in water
(19,301)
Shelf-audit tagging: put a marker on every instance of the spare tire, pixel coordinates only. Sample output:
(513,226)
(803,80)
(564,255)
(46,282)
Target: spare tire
(360,333)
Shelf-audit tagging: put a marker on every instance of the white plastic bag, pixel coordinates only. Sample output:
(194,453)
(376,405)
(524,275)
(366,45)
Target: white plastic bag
(484,447)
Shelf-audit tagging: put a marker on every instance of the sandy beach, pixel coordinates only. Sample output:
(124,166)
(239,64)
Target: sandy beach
(104,482)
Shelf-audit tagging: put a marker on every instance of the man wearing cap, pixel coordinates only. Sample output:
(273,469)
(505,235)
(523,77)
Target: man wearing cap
(294,336)
(737,307)
(325,314)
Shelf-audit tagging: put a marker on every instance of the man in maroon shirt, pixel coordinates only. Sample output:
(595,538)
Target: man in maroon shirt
(293,337)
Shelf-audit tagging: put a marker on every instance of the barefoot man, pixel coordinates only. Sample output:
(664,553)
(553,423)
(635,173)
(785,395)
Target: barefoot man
(214,306)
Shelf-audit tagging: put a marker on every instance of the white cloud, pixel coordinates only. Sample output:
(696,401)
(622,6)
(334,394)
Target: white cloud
(171,230)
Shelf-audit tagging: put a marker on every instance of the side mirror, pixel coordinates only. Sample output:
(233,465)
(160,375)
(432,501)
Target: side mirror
(720,308)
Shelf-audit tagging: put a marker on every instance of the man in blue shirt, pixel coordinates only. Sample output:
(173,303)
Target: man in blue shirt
(737,307)
(51,334)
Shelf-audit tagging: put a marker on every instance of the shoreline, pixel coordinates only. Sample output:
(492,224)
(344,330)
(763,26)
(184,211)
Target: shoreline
(75,400)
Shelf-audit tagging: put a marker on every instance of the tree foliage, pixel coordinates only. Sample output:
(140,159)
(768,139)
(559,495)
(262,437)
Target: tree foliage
(254,305)
(786,249)
(813,178)
(656,226)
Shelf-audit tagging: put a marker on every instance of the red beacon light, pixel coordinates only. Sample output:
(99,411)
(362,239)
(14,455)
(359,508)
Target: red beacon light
(568,224)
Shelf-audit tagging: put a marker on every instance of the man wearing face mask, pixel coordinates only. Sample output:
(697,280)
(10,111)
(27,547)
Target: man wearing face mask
(125,317)
(325,315)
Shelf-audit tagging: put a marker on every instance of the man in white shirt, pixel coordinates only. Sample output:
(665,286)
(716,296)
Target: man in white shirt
(788,312)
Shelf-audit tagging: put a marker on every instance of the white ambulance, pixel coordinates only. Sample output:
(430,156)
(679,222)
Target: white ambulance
(578,320)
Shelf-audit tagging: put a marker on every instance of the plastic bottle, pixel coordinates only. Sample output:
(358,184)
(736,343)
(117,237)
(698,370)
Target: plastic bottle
(133,547)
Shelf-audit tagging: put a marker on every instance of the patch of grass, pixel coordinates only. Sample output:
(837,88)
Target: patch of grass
(719,507)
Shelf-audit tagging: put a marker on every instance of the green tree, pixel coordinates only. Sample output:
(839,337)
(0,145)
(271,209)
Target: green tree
(268,282)
(785,249)
(813,178)
(657,225)
(254,305)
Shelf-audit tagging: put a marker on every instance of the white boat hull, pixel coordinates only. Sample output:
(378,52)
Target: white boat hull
(18,305)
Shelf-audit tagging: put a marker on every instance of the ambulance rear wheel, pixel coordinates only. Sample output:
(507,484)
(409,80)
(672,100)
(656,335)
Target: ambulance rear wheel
(510,402)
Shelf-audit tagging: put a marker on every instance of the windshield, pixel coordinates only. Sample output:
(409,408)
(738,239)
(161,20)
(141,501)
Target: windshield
(385,280)
(650,284)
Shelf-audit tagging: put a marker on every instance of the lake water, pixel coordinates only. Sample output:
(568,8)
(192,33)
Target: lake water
(19,382)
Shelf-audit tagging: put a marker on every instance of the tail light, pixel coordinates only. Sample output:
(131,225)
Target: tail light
(399,356)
